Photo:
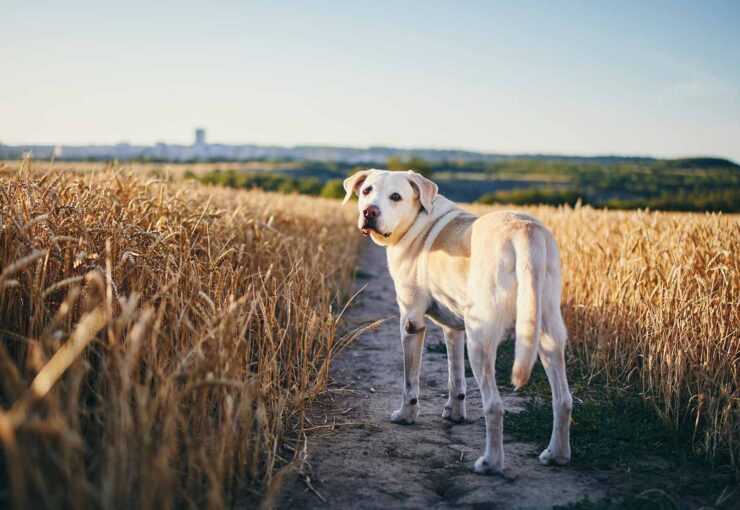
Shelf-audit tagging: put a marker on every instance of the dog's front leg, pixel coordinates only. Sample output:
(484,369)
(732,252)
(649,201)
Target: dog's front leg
(412,337)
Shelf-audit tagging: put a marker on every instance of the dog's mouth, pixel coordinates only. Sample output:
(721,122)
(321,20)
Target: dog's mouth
(367,229)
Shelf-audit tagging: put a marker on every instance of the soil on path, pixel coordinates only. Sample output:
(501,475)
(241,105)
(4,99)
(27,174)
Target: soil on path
(372,463)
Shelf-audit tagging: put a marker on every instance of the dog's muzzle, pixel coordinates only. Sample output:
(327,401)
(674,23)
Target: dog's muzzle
(369,226)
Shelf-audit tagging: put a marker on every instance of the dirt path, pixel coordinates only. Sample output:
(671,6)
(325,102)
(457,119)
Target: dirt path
(378,464)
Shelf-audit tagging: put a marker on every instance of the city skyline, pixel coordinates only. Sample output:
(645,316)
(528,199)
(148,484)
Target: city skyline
(202,150)
(572,78)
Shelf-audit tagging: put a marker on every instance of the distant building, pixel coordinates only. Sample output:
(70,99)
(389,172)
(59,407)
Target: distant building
(200,149)
(159,151)
(200,137)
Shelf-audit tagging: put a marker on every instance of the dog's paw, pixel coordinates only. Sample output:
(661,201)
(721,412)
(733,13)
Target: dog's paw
(487,466)
(454,412)
(548,458)
(407,415)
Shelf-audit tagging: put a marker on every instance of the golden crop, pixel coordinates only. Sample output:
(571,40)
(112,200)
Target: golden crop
(158,339)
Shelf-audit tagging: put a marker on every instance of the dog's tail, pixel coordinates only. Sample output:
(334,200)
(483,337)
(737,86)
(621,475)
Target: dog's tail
(529,249)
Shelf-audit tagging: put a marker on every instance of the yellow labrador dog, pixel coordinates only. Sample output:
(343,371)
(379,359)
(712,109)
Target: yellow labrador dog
(474,276)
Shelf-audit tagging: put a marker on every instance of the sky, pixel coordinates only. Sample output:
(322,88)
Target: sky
(593,77)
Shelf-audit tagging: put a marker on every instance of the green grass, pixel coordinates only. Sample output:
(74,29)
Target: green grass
(619,435)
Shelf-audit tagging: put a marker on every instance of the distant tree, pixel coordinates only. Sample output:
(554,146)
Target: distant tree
(309,186)
(396,164)
(333,189)
(228,178)
(420,166)
(413,163)
(287,186)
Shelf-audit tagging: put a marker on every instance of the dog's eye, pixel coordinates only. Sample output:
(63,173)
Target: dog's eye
(395,197)
(367,190)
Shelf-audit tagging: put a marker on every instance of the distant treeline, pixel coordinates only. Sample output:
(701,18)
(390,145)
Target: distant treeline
(696,184)
(272,182)
(720,200)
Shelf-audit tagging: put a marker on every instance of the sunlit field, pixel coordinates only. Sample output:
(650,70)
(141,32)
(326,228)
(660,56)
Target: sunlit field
(162,339)
(159,340)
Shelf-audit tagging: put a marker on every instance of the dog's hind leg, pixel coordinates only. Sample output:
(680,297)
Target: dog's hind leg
(484,336)
(552,354)
(413,329)
(454,409)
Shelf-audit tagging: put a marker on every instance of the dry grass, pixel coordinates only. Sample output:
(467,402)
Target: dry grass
(652,303)
(159,339)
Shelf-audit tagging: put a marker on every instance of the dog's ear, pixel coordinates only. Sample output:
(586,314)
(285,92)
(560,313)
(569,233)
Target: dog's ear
(353,182)
(426,189)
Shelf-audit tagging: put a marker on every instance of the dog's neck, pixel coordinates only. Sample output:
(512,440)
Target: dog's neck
(424,230)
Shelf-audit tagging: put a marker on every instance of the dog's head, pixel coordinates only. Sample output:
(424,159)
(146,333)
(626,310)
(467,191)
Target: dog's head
(389,201)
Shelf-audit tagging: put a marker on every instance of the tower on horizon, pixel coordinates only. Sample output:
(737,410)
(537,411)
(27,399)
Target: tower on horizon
(200,136)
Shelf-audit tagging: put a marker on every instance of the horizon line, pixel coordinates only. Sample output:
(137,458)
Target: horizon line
(485,152)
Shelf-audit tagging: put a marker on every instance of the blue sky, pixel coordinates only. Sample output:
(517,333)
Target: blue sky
(592,77)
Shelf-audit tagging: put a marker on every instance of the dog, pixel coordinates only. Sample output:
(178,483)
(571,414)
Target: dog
(475,277)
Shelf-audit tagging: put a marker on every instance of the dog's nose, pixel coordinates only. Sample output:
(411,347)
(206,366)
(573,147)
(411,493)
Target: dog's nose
(371,211)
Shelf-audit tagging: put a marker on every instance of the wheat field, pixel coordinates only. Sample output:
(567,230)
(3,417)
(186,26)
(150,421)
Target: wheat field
(159,340)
